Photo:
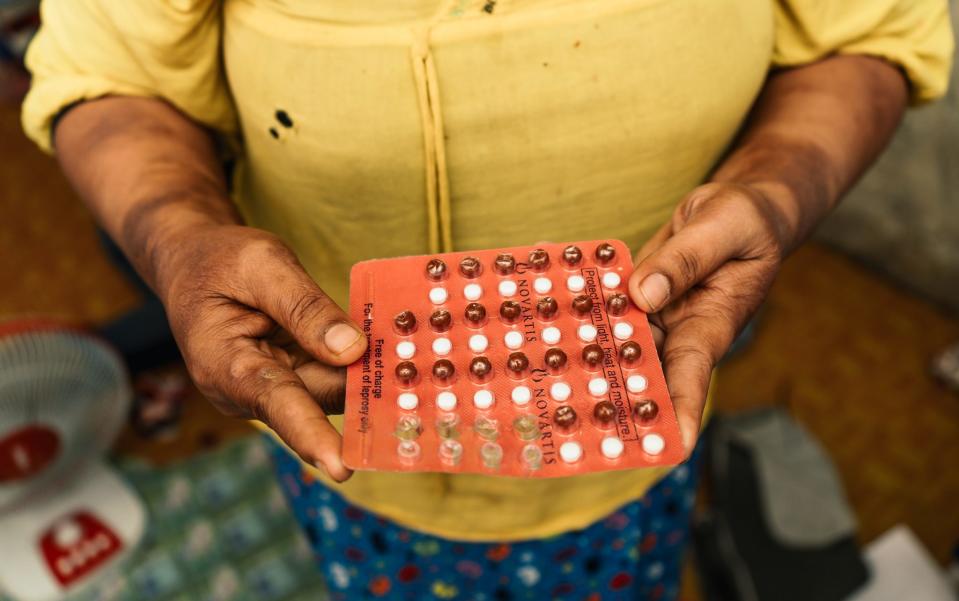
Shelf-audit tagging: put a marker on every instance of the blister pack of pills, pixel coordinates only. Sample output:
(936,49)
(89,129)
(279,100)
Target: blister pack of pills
(526,362)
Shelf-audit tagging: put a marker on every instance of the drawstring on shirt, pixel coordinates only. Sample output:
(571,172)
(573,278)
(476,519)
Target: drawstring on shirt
(438,209)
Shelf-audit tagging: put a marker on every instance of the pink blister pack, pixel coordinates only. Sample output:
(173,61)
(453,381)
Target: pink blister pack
(525,362)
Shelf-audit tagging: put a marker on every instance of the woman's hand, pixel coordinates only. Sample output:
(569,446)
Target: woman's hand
(701,277)
(812,132)
(259,338)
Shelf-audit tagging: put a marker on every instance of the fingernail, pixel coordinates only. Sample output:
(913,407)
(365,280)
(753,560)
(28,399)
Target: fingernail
(341,473)
(655,289)
(340,337)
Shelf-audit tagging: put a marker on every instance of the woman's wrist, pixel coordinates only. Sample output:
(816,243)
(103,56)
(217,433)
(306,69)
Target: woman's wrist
(811,134)
(158,244)
(794,177)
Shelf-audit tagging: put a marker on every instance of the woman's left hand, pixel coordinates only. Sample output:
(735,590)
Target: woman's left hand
(812,132)
(701,277)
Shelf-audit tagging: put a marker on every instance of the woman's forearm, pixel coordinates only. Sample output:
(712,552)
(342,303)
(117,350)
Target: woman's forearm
(146,171)
(812,133)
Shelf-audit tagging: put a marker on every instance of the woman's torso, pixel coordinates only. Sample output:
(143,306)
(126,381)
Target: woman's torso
(391,128)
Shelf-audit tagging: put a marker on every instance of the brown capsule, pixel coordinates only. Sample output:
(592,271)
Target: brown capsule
(547,307)
(592,355)
(405,322)
(604,412)
(645,411)
(504,264)
(436,270)
(582,305)
(470,267)
(630,352)
(605,253)
(475,313)
(510,311)
(617,304)
(564,417)
(443,370)
(441,320)
(555,359)
(572,255)
(405,372)
(538,259)
(480,367)
(517,362)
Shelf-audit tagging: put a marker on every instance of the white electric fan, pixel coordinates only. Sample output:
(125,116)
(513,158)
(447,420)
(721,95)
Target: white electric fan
(65,516)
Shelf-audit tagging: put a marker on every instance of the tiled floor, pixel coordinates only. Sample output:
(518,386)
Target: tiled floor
(844,350)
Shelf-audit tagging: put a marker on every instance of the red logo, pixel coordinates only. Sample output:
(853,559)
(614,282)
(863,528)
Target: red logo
(26,452)
(76,544)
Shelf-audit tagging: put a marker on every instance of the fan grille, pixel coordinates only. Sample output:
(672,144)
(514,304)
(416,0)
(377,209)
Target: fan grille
(69,382)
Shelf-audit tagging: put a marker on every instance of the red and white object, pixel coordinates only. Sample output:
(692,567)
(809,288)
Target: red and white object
(65,516)
(530,414)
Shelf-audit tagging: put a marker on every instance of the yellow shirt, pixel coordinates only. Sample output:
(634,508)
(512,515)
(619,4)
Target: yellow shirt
(392,127)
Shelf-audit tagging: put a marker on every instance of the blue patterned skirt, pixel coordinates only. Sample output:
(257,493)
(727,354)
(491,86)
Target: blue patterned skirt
(635,553)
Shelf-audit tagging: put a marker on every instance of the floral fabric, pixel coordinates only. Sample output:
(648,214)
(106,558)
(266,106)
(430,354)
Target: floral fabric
(634,553)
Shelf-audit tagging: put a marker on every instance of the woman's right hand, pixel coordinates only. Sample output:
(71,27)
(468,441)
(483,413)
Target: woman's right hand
(261,340)
(259,337)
